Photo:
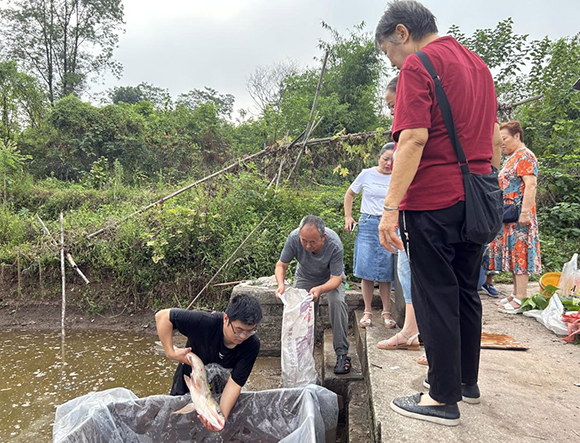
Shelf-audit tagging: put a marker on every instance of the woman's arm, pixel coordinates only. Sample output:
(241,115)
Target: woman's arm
(497,142)
(530,185)
(348,220)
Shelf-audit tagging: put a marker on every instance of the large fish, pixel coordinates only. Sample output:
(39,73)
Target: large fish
(201,399)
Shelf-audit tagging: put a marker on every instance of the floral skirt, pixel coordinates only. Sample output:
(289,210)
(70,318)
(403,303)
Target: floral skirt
(516,249)
(371,260)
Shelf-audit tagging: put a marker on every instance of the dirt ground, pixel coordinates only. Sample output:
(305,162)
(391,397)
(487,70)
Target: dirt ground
(47,315)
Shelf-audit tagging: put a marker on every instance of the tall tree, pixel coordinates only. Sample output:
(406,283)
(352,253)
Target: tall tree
(224,103)
(63,42)
(266,85)
(22,101)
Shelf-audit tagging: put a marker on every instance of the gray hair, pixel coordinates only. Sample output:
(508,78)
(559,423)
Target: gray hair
(418,20)
(392,85)
(313,220)
(388,147)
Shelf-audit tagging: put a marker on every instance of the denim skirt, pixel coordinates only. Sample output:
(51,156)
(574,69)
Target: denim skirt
(371,260)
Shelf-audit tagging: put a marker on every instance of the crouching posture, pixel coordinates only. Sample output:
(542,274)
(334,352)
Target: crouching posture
(227,339)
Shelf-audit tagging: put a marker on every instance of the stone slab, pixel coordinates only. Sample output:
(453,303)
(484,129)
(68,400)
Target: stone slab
(526,395)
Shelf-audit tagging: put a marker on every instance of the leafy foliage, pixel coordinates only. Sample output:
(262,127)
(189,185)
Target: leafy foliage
(63,43)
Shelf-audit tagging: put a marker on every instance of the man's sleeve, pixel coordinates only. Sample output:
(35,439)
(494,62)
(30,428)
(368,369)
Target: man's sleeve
(358,183)
(414,98)
(244,366)
(186,322)
(337,261)
(289,251)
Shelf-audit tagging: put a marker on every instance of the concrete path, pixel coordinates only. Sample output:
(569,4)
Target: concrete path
(527,396)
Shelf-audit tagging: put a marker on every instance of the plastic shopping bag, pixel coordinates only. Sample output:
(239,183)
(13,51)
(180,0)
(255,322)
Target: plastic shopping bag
(298,367)
(568,277)
(551,317)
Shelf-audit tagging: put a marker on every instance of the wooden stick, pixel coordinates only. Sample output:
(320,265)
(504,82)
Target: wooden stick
(221,171)
(18,271)
(505,106)
(309,126)
(63,278)
(40,279)
(68,256)
(151,205)
(279,173)
(229,283)
(227,261)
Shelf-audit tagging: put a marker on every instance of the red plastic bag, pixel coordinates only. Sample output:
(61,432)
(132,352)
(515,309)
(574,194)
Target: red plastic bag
(573,320)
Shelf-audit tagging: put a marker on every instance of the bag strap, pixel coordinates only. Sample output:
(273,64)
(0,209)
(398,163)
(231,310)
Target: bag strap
(445,108)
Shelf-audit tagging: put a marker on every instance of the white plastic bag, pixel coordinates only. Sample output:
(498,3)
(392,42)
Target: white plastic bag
(551,317)
(298,367)
(568,277)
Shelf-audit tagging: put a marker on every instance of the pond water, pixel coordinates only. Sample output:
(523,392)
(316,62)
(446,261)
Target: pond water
(36,378)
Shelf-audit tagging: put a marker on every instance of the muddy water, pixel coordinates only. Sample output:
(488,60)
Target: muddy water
(35,377)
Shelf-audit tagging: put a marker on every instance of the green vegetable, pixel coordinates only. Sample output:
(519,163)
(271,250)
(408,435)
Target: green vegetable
(571,303)
(537,301)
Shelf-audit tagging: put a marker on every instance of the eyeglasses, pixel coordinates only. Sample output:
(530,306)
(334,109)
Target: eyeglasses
(240,332)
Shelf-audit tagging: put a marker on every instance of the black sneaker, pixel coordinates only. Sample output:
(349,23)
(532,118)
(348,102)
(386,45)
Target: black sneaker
(447,415)
(469,393)
(490,289)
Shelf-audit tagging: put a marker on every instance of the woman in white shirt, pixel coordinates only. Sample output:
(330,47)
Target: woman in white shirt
(372,262)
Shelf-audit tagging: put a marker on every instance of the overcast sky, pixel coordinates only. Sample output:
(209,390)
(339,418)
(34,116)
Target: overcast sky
(184,44)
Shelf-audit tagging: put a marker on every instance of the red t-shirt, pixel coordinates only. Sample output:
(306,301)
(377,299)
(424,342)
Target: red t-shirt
(469,86)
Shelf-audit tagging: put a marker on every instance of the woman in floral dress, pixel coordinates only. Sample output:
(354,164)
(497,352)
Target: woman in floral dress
(516,249)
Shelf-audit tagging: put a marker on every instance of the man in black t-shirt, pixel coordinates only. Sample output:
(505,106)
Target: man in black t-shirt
(224,338)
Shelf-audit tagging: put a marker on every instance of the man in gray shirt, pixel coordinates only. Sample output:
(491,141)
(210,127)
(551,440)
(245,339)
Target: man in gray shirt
(320,271)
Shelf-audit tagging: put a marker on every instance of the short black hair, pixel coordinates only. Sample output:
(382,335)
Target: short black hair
(245,308)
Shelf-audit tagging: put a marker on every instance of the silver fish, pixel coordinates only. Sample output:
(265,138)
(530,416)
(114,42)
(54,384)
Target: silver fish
(201,399)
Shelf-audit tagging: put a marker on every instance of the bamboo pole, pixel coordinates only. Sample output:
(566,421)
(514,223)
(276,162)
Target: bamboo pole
(19,273)
(40,279)
(228,260)
(67,254)
(63,279)
(310,125)
(221,171)
(163,199)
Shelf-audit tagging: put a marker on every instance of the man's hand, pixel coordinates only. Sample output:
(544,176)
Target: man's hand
(388,231)
(280,290)
(315,292)
(207,424)
(179,354)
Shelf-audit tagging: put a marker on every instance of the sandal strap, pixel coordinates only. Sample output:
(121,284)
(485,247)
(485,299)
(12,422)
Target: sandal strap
(410,339)
(367,313)
(386,312)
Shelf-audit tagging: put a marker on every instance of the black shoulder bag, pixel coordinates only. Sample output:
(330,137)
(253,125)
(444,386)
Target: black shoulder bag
(483,196)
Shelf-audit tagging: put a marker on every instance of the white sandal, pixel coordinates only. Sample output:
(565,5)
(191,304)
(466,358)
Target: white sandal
(389,322)
(506,300)
(366,322)
(509,309)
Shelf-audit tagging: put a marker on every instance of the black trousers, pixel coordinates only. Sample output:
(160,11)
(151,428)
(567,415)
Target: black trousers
(445,272)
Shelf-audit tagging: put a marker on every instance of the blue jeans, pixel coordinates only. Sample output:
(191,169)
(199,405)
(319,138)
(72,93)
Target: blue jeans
(404,274)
